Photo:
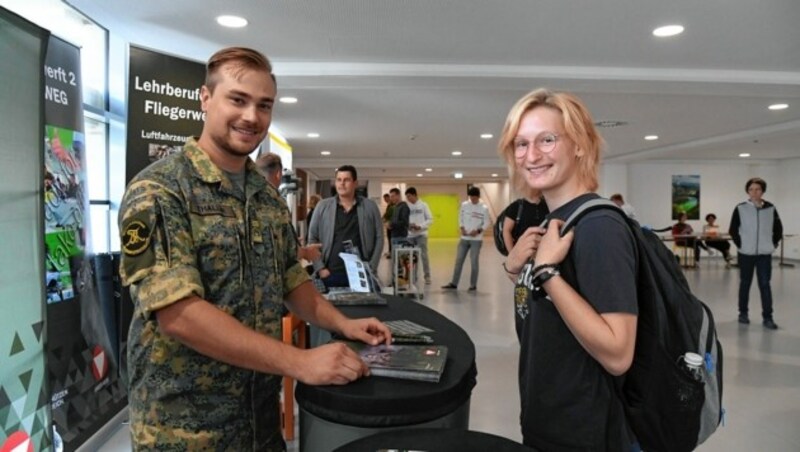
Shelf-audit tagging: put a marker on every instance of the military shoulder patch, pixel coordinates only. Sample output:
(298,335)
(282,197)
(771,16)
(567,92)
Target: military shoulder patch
(136,235)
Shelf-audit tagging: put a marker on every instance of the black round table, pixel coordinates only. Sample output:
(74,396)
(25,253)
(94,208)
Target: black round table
(334,415)
(434,440)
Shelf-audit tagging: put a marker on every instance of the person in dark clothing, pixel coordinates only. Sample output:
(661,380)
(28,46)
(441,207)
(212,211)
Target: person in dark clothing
(575,296)
(400,217)
(683,233)
(712,240)
(313,200)
(534,211)
(756,230)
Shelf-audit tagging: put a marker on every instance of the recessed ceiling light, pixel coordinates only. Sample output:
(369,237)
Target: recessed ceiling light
(456,153)
(419,174)
(487,136)
(288,100)
(668,30)
(494,174)
(744,155)
(428,170)
(312,135)
(325,152)
(458,175)
(232,21)
(651,137)
(778,106)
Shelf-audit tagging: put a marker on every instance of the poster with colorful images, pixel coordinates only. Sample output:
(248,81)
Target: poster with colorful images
(686,196)
(82,340)
(163,106)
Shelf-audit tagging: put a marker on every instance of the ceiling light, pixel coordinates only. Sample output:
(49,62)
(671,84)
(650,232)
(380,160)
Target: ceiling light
(288,100)
(232,21)
(668,30)
(778,106)
(456,153)
(487,136)
(312,135)
(325,152)
(651,137)
(458,175)
(494,174)
(428,170)
(744,155)
(419,174)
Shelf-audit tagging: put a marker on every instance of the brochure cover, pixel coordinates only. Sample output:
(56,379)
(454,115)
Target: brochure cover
(408,362)
(356,299)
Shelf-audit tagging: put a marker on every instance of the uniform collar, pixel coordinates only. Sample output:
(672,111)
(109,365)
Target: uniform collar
(210,173)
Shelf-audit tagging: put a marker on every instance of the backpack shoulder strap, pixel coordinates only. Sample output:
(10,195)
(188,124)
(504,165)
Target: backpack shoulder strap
(589,206)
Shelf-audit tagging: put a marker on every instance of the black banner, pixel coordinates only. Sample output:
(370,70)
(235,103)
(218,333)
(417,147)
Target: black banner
(82,341)
(163,106)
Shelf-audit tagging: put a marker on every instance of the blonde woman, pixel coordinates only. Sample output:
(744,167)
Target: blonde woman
(575,296)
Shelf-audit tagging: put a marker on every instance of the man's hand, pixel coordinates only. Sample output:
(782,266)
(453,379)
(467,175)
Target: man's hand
(324,273)
(369,330)
(311,252)
(327,364)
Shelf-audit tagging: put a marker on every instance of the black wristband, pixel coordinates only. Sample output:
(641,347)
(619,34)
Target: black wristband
(539,268)
(509,271)
(543,277)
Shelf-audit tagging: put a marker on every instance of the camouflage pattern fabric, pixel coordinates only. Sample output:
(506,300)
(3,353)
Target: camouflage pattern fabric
(186,229)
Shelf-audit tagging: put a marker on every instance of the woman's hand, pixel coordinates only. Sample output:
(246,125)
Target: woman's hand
(553,248)
(525,249)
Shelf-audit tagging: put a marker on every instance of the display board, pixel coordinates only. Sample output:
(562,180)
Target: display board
(24,395)
(82,339)
(163,106)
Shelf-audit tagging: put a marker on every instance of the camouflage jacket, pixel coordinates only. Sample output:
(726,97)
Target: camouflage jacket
(187,229)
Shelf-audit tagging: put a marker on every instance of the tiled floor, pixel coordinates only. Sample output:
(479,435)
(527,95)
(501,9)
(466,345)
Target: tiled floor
(762,368)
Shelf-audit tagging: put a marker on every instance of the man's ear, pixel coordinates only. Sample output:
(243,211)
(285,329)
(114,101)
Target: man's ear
(205,95)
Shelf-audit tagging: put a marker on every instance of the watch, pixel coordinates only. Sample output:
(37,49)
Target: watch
(545,276)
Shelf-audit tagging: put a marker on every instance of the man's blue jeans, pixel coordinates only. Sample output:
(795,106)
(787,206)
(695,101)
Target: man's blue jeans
(474,248)
(762,265)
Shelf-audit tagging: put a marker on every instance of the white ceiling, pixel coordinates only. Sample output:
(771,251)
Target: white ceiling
(372,74)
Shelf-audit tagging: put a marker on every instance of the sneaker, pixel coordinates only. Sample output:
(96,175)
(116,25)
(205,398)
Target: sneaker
(743,319)
(449,286)
(472,289)
(770,324)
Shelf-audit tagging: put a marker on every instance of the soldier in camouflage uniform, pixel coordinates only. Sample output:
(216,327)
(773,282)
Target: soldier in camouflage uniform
(209,255)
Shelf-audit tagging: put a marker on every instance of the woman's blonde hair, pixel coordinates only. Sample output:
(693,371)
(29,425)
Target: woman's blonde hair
(578,126)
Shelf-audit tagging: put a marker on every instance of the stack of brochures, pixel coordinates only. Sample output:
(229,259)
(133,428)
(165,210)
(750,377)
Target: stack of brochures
(348,298)
(408,362)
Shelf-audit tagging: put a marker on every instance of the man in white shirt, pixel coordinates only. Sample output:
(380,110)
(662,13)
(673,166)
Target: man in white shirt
(627,208)
(419,220)
(473,220)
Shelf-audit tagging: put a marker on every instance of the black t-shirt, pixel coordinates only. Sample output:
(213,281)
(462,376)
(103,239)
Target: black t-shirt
(568,401)
(533,214)
(346,228)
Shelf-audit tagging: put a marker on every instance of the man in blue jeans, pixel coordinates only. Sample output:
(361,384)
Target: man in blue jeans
(756,230)
(473,219)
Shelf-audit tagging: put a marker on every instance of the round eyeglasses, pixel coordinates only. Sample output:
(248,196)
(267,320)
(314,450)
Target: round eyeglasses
(544,143)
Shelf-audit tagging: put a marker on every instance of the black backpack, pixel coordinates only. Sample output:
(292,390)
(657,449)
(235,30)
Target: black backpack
(665,406)
(499,243)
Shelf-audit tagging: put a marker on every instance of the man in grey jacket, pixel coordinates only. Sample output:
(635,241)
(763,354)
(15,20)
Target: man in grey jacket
(341,218)
(756,230)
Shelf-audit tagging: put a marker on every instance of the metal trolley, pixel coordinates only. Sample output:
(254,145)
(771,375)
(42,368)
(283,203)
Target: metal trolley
(405,281)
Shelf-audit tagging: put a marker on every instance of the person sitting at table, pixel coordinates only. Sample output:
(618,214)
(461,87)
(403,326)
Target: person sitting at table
(712,239)
(682,228)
